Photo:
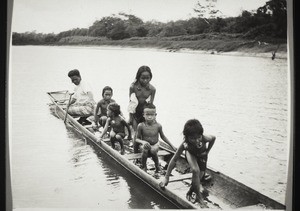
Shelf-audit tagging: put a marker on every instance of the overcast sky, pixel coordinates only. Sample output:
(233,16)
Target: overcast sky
(54,16)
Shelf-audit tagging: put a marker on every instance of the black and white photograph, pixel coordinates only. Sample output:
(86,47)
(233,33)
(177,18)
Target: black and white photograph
(138,104)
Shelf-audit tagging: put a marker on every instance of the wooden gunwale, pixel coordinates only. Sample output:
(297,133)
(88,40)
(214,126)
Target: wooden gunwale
(135,170)
(232,192)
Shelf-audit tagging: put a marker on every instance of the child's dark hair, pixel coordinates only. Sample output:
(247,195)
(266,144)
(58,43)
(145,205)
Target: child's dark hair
(106,88)
(141,70)
(74,72)
(114,107)
(192,127)
(150,106)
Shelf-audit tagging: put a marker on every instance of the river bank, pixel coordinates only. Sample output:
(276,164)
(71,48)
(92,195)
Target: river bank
(243,101)
(246,52)
(228,44)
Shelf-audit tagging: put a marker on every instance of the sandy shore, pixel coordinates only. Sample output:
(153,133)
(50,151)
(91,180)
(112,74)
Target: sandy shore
(250,52)
(279,55)
(245,52)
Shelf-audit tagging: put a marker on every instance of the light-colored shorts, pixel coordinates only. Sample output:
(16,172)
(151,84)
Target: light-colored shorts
(83,110)
(154,148)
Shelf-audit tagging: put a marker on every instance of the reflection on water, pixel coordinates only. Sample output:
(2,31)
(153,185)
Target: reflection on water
(241,100)
(121,189)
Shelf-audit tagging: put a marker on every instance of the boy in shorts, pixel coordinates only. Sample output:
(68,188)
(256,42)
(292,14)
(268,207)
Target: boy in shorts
(147,136)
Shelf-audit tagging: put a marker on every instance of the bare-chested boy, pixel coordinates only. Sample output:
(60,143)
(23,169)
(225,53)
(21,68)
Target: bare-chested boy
(147,136)
(118,125)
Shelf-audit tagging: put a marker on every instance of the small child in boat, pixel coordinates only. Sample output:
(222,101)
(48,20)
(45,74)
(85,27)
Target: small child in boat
(147,136)
(140,92)
(101,108)
(118,124)
(196,146)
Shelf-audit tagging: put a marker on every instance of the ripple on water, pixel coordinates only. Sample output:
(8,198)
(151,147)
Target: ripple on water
(244,105)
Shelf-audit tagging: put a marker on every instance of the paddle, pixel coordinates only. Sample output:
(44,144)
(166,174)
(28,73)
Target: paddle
(68,107)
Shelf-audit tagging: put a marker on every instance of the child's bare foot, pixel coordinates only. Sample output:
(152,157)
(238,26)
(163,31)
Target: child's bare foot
(191,196)
(201,201)
(122,151)
(203,204)
(144,167)
(205,193)
(157,169)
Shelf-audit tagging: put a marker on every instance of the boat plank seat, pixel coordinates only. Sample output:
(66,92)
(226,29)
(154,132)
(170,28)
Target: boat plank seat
(253,207)
(139,155)
(106,140)
(180,177)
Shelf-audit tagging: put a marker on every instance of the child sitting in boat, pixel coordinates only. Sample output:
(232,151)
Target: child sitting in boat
(101,108)
(140,92)
(147,136)
(196,146)
(118,124)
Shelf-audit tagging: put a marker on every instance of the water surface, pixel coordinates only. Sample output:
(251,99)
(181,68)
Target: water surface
(241,100)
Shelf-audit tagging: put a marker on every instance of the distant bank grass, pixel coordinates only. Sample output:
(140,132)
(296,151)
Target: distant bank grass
(206,42)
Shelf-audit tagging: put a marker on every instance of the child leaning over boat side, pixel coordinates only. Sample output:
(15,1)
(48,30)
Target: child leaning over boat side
(196,146)
(101,108)
(147,136)
(118,124)
(140,92)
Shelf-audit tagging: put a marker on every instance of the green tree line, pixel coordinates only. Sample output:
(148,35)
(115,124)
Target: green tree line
(268,21)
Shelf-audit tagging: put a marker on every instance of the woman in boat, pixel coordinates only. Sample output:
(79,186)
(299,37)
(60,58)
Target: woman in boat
(101,108)
(197,146)
(140,92)
(118,124)
(82,103)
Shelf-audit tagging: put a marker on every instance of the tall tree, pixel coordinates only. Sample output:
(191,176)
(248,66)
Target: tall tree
(173,29)
(276,9)
(196,26)
(103,27)
(207,10)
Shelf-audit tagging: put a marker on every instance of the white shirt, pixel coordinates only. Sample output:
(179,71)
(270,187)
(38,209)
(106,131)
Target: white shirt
(80,92)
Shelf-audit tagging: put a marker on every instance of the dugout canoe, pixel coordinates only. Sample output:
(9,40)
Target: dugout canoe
(220,191)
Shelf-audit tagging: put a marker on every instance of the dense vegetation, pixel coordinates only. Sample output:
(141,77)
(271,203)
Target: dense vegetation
(268,24)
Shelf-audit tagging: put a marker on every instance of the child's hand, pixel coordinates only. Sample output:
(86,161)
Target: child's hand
(100,139)
(95,127)
(147,146)
(163,183)
(185,146)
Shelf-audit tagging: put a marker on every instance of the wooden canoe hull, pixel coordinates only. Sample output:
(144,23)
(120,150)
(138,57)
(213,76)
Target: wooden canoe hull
(149,180)
(224,192)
